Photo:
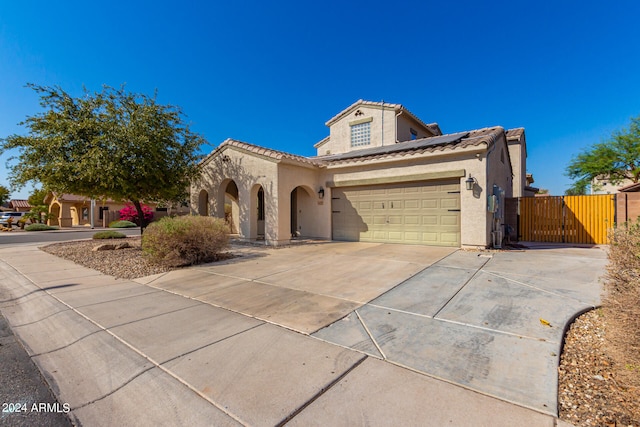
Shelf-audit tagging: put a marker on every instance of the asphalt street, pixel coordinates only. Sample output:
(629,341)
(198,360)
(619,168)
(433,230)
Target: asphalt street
(25,397)
(18,237)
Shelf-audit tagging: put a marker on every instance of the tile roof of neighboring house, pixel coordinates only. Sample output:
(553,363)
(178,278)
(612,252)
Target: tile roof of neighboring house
(631,188)
(262,151)
(19,203)
(66,197)
(433,127)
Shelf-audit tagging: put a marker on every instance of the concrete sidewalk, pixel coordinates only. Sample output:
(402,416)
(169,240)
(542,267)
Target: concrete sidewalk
(122,352)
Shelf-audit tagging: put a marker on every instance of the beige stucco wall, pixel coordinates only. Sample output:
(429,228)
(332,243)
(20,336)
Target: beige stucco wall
(340,131)
(405,123)
(498,172)
(249,172)
(518,155)
(313,213)
(474,218)
(279,179)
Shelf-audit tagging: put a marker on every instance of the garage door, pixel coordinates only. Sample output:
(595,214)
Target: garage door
(425,213)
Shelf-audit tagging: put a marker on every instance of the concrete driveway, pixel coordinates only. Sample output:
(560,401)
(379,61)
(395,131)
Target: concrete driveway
(469,317)
(303,288)
(203,345)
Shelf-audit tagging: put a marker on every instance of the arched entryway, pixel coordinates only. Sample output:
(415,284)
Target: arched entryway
(260,213)
(232,206)
(203,203)
(54,211)
(302,208)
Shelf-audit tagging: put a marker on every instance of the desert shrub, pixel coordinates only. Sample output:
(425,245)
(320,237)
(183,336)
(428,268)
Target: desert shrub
(39,227)
(129,213)
(122,224)
(185,240)
(109,234)
(621,301)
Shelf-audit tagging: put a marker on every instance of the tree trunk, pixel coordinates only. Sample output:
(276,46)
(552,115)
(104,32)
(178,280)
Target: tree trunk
(143,222)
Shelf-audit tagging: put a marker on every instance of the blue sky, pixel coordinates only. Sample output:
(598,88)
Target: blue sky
(272,73)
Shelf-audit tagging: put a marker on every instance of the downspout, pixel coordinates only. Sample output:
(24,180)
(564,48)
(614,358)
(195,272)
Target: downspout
(493,214)
(398,115)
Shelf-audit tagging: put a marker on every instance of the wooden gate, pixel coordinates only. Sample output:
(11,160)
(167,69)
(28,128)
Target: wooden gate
(566,219)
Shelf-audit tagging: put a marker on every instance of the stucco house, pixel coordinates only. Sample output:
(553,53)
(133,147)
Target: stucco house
(19,205)
(69,210)
(381,175)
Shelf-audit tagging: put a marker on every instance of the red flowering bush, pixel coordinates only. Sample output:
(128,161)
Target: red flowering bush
(129,213)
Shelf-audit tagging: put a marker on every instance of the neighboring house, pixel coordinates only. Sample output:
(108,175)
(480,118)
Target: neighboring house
(68,210)
(602,185)
(631,188)
(18,205)
(382,175)
(530,191)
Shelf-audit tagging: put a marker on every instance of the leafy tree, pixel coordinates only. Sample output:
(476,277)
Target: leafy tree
(36,198)
(108,144)
(616,159)
(5,194)
(577,189)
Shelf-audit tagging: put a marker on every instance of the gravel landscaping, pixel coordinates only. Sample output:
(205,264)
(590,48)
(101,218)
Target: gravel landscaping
(126,263)
(590,392)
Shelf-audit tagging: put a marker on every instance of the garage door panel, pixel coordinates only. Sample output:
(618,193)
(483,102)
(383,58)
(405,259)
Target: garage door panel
(450,187)
(453,220)
(412,204)
(449,203)
(412,237)
(449,237)
(379,219)
(431,238)
(430,204)
(412,220)
(395,219)
(429,219)
(400,213)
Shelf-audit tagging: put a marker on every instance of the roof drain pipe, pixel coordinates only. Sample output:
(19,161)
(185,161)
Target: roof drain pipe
(398,115)
(493,214)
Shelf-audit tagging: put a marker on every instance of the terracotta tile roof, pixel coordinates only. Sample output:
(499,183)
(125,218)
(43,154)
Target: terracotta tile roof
(425,145)
(262,151)
(419,146)
(631,188)
(515,134)
(66,197)
(396,107)
(19,203)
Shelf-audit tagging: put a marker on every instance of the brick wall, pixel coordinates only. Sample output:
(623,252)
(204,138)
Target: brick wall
(627,207)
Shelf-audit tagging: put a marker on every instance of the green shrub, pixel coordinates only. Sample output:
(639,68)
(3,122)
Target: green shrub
(185,240)
(109,234)
(121,224)
(39,227)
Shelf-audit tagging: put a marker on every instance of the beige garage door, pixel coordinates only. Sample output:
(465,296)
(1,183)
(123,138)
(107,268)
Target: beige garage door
(425,213)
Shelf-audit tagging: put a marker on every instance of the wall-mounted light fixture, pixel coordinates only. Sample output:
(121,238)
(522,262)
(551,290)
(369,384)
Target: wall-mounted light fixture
(321,193)
(470,182)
